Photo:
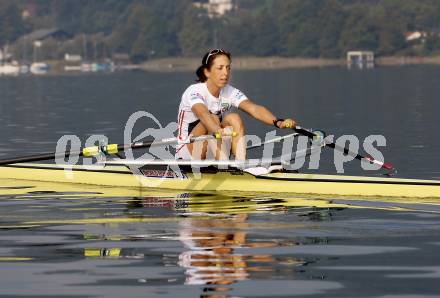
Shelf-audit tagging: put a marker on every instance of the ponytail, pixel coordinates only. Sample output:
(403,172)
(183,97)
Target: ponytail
(200,73)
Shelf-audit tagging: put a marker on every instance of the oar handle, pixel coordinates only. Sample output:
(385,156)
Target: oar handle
(218,135)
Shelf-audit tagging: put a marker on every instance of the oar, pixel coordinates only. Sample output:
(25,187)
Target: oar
(106,149)
(274,140)
(312,135)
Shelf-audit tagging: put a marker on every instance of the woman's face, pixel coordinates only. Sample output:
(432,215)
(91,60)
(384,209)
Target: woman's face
(220,71)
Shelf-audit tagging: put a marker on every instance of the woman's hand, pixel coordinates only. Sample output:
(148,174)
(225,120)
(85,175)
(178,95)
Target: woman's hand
(286,123)
(225,132)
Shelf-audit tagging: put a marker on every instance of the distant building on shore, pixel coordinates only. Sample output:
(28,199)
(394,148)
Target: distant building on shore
(42,34)
(215,8)
(40,45)
(72,58)
(360,59)
(415,36)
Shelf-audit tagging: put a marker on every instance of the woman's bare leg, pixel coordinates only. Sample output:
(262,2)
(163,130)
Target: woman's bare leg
(199,150)
(238,143)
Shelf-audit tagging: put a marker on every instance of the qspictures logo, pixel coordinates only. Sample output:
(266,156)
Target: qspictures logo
(160,152)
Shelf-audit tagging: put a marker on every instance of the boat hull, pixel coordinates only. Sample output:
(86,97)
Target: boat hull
(229,181)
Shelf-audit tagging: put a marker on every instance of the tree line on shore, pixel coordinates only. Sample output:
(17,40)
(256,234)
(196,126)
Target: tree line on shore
(146,29)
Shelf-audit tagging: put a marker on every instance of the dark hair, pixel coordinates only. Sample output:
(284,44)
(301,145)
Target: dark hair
(207,61)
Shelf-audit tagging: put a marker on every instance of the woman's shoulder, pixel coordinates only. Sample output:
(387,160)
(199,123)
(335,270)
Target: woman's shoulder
(230,90)
(194,91)
(195,87)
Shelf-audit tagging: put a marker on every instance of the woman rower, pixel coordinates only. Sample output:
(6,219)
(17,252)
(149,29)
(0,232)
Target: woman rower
(203,106)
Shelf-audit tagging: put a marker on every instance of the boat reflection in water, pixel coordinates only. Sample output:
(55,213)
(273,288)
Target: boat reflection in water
(217,245)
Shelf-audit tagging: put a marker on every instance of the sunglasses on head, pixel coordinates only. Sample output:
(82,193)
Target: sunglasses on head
(214,52)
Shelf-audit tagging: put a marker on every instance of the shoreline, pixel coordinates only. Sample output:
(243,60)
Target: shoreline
(240,63)
(190,64)
(264,63)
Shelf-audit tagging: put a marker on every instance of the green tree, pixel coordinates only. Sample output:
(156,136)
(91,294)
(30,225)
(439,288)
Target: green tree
(11,23)
(299,27)
(88,16)
(169,23)
(432,44)
(158,28)
(266,37)
(236,35)
(331,18)
(131,34)
(195,36)
(360,31)
(68,13)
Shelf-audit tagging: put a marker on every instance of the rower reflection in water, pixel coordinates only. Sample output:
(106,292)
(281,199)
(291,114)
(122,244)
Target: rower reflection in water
(203,110)
(211,259)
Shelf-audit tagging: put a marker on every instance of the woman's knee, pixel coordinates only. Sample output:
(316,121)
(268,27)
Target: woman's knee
(234,120)
(215,118)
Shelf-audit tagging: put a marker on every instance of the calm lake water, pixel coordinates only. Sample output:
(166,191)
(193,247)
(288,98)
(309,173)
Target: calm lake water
(58,242)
